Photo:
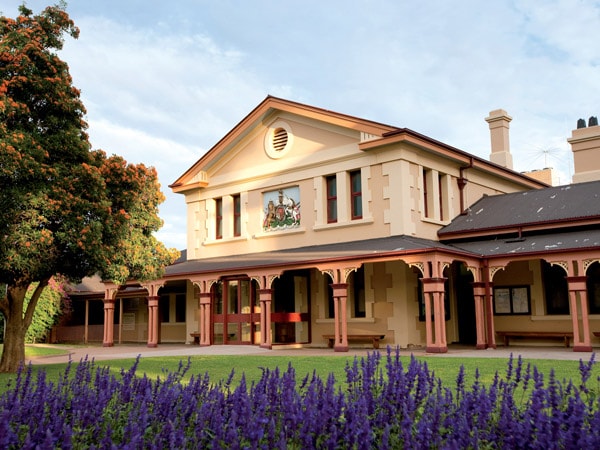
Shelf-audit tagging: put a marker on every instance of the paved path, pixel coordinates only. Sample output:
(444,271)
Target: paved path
(98,353)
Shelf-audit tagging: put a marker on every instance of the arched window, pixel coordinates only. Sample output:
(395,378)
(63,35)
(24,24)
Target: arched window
(593,288)
(356,290)
(556,289)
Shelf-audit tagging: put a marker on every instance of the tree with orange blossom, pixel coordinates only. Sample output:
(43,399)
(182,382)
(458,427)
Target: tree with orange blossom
(64,208)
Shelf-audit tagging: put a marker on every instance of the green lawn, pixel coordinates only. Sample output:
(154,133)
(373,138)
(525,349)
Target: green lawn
(220,367)
(37,350)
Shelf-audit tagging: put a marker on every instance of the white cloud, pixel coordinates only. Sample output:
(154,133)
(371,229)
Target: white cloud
(158,100)
(163,82)
(173,236)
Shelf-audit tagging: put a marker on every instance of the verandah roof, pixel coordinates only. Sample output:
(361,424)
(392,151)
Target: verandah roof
(567,204)
(534,244)
(310,254)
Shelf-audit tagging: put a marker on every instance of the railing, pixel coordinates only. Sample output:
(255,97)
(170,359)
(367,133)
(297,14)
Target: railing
(76,334)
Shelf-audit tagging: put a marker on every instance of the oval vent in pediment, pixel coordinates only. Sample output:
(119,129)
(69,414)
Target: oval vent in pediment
(278,139)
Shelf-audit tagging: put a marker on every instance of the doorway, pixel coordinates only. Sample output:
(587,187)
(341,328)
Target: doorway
(236,314)
(291,307)
(465,304)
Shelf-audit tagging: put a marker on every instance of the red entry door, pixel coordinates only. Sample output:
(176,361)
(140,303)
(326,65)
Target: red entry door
(236,316)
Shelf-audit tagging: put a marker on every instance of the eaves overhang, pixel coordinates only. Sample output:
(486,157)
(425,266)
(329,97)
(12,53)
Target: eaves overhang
(464,159)
(370,250)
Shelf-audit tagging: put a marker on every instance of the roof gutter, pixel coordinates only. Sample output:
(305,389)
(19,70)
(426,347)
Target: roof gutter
(462,182)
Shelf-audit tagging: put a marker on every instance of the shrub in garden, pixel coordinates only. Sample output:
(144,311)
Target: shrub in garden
(51,306)
(383,404)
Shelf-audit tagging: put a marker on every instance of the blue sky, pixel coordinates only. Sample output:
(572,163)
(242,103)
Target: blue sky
(164,81)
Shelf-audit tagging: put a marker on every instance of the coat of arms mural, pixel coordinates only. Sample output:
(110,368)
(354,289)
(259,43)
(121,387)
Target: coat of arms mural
(281,209)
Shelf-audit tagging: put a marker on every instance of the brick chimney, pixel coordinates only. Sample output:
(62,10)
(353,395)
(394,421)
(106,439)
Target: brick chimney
(499,121)
(585,144)
(546,175)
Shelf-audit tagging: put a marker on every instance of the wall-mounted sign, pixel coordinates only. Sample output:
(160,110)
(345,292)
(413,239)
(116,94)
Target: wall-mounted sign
(511,300)
(128,321)
(281,209)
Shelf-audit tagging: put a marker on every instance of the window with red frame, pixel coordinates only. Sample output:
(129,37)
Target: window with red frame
(219,218)
(356,195)
(331,199)
(237,215)
(441,190)
(425,193)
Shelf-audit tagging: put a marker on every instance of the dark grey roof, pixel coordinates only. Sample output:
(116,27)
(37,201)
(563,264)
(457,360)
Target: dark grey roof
(540,243)
(304,255)
(548,205)
(88,286)
(182,256)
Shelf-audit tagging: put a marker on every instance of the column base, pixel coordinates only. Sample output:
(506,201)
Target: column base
(108,344)
(582,348)
(152,345)
(437,349)
(267,346)
(481,347)
(202,344)
(340,348)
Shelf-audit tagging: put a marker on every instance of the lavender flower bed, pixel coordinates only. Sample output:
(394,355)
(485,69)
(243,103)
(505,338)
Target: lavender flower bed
(383,405)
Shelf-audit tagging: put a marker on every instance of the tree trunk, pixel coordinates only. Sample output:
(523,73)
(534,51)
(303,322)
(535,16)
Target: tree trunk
(13,354)
(17,322)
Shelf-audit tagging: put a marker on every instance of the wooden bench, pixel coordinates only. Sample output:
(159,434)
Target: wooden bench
(196,337)
(565,335)
(375,338)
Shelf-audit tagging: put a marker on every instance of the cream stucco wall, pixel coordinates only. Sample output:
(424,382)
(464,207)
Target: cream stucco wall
(192,315)
(401,294)
(528,273)
(408,188)
(391,304)
(392,189)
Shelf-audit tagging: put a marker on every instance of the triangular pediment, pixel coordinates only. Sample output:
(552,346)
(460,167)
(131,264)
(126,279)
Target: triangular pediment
(278,134)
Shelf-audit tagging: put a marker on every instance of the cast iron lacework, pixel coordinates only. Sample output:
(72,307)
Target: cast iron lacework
(418,265)
(495,269)
(587,263)
(348,271)
(563,264)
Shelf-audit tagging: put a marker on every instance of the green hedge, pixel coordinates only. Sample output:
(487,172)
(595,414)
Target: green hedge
(52,305)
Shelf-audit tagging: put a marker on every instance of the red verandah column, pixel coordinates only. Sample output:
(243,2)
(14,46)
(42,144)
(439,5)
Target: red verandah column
(265,297)
(205,316)
(110,292)
(479,298)
(340,294)
(433,294)
(581,325)
(109,322)
(153,321)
